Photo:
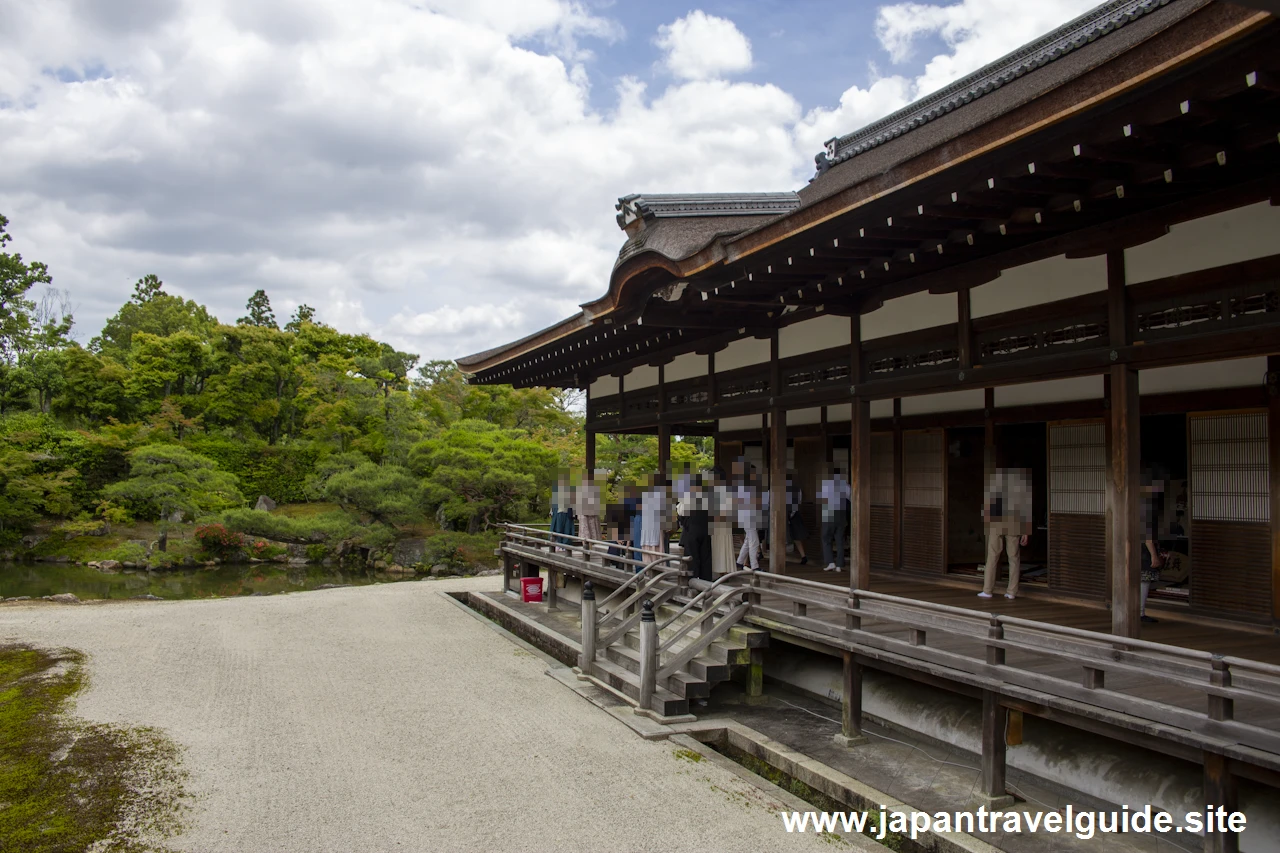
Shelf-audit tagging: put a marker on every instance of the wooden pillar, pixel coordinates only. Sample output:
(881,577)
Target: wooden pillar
(1273,464)
(897,483)
(860,499)
(1124,484)
(664,429)
(778,492)
(1109,561)
(590,455)
(988,432)
(994,716)
(1219,790)
(851,704)
(713,399)
(964,329)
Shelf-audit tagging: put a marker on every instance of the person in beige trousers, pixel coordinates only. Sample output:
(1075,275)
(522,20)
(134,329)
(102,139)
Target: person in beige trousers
(1007,513)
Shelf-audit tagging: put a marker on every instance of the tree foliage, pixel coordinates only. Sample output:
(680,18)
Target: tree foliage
(168,409)
(168,478)
(477,472)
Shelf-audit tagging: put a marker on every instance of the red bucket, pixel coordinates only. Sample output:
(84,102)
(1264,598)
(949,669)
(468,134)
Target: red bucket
(531,590)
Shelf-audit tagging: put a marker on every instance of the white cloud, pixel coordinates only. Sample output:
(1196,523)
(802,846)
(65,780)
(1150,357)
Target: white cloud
(434,175)
(701,46)
(975,32)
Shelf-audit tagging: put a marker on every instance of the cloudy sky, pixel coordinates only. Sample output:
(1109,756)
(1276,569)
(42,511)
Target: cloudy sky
(438,173)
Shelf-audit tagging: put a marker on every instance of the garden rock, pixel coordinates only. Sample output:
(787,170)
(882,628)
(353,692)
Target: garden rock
(440,569)
(397,569)
(63,598)
(147,597)
(108,566)
(264,504)
(409,552)
(188,561)
(141,543)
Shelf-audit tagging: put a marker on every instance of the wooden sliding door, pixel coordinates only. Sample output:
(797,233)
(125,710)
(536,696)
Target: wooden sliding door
(884,525)
(1078,508)
(923,499)
(1229,492)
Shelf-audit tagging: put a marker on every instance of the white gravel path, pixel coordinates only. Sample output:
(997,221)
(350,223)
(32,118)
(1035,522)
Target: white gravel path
(386,718)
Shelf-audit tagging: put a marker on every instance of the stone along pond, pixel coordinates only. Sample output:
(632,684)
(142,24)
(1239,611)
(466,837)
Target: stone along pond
(229,579)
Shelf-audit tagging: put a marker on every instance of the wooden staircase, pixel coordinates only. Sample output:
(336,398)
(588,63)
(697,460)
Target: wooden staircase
(618,665)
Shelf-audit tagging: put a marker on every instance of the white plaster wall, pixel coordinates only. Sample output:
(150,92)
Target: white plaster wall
(818,333)
(740,423)
(801,417)
(603,387)
(741,353)
(879,409)
(1052,391)
(643,376)
(1037,283)
(686,366)
(1236,373)
(909,313)
(1210,241)
(951,401)
(844,412)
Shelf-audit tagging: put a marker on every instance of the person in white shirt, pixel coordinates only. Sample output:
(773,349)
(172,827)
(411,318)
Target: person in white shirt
(588,505)
(831,504)
(653,509)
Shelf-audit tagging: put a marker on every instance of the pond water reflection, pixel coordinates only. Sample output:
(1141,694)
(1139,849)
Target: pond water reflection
(40,579)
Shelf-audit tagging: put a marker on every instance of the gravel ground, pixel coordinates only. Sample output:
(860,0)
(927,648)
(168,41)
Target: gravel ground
(386,718)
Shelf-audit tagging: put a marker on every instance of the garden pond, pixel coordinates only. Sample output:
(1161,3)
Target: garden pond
(225,580)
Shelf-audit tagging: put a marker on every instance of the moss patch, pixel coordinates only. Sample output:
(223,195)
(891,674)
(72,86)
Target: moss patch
(67,785)
(688,755)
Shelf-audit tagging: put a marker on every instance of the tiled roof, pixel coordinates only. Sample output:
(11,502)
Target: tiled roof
(639,206)
(1090,26)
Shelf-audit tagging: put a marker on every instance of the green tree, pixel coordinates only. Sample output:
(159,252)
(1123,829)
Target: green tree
(32,485)
(387,493)
(260,313)
(480,473)
(168,478)
(155,312)
(303,315)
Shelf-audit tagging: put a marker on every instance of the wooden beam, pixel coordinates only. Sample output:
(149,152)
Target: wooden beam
(860,483)
(778,492)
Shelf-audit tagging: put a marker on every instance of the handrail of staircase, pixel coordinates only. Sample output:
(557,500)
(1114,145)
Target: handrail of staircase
(684,629)
(698,646)
(639,590)
(702,596)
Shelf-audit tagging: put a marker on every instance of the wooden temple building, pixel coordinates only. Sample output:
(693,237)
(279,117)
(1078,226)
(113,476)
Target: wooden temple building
(1067,261)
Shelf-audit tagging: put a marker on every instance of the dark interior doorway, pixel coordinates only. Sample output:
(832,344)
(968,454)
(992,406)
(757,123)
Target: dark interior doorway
(966,541)
(1164,453)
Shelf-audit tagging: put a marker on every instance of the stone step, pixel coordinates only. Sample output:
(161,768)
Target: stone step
(627,683)
(683,684)
(719,652)
(740,634)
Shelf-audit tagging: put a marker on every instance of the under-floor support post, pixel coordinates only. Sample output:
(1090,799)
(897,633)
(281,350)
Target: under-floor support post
(553,578)
(994,717)
(755,675)
(851,704)
(1219,792)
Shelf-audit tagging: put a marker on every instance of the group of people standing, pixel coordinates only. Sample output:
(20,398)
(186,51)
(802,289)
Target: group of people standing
(702,510)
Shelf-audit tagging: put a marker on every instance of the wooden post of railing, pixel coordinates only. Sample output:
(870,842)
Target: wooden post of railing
(995,654)
(851,704)
(648,657)
(587,657)
(852,621)
(1221,707)
(684,575)
(1094,678)
(1219,791)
